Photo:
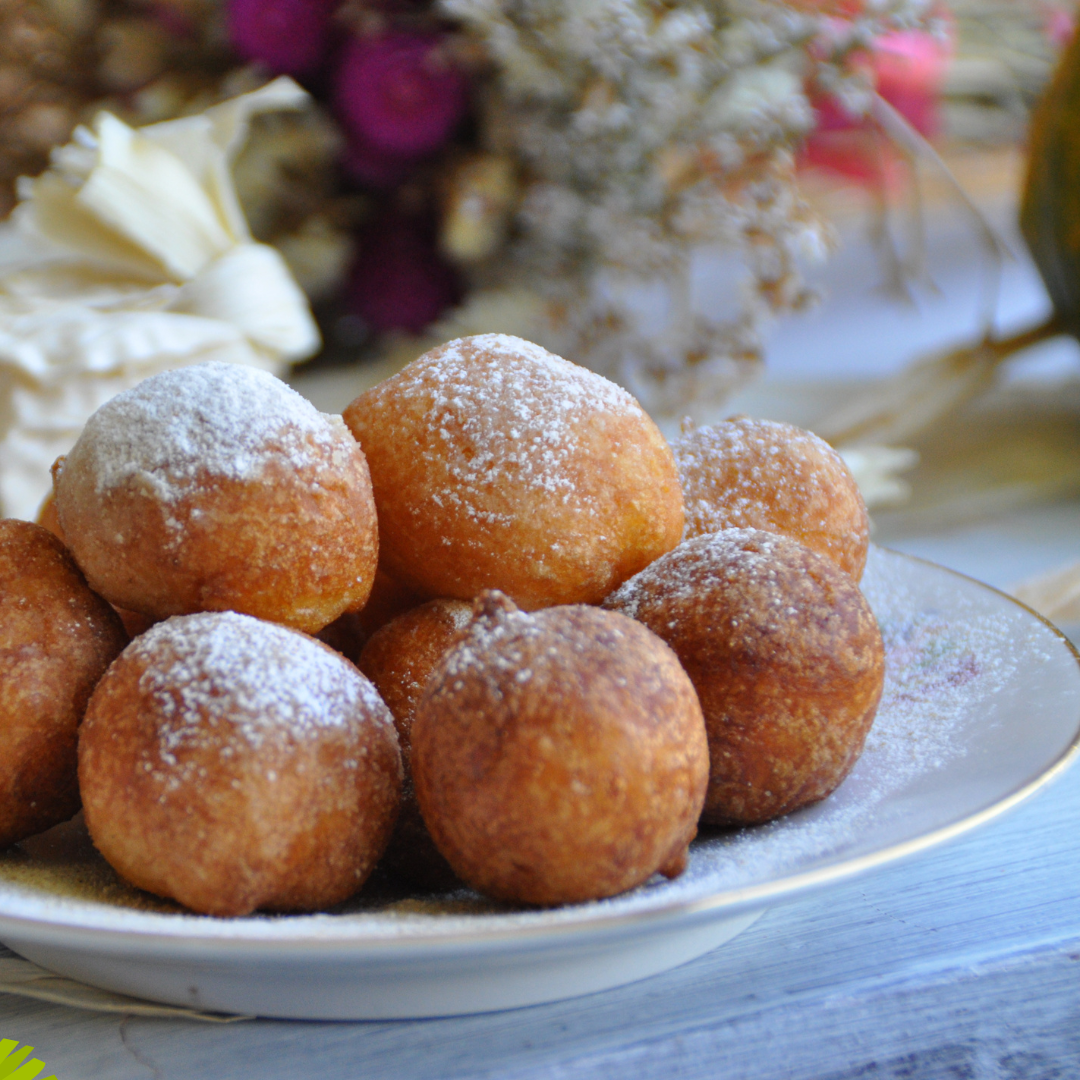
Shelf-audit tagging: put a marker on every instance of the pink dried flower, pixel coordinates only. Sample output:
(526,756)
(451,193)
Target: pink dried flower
(400,282)
(287,36)
(909,67)
(397,95)
(1060,24)
(906,68)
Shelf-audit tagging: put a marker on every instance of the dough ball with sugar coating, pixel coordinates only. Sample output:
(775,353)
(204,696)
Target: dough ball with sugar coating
(235,765)
(56,640)
(786,658)
(218,488)
(496,464)
(762,474)
(559,756)
(47,517)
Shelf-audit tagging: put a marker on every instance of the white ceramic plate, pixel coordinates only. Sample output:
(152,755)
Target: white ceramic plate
(981,708)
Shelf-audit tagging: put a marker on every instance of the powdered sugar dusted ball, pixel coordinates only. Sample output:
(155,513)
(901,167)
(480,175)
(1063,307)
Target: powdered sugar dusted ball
(496,464)
(217,487)
(47,518)
(232,765)
(762,474)
(786,658)
(559,756)
(56,640)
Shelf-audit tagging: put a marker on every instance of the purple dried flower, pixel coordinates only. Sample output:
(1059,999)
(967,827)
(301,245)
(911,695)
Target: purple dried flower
(288,36)
(174,20)
(397,95)
(374,167)
(400,282)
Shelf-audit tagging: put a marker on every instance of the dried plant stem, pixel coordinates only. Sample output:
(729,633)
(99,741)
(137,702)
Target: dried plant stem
(1008,346)
(912,143)
(903,257)
(1056,595)
(902,407)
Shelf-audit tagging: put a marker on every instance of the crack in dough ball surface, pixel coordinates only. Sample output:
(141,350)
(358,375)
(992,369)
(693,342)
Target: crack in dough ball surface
(217,487)
(762,474)
(57,638)
(559,756)
(786,658)
(233,765)
(496,464)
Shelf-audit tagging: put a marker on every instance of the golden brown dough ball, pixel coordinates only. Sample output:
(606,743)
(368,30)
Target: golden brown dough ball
(47,517)
(762,474)
(233,764)
(398,659)
(216,487)
(559,756)
(135,623)
(349,633)
(785,655)
(496,464)
(56,640)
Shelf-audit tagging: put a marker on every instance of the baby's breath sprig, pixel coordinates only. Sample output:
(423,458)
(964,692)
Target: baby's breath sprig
(644,130)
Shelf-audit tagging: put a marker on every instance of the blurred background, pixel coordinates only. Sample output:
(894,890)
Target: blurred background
(807,210)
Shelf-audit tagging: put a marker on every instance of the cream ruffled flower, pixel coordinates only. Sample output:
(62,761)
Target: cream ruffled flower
(128,256)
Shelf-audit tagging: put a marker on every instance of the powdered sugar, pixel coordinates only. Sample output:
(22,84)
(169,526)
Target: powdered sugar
(209,420)
(234,680)
(501,640)
(947,660)
(746,557)
(762,473)
(506,411)
(483,647)
(773,457)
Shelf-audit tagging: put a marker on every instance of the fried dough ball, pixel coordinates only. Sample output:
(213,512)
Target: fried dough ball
(398,660)
(216,487)
(56,640)
(232,764)
(47,517)
(785,655)
(496,464)
(761,474)
(349,633)
(135,623)
(559,756)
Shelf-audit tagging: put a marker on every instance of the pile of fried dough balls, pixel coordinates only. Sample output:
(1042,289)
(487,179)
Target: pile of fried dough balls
(548,642)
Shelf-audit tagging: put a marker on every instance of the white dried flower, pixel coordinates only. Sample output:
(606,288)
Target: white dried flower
(644,129)
(129,256)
